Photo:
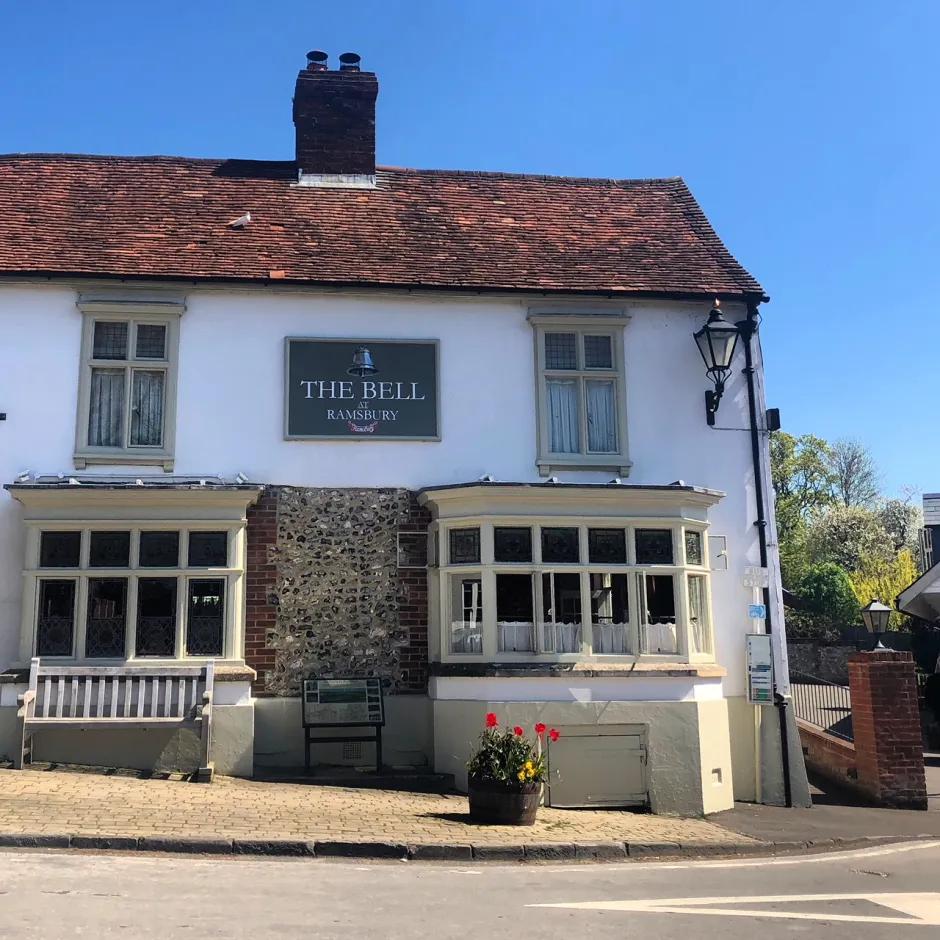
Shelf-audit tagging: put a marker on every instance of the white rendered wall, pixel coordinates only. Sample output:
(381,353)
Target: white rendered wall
(230,410)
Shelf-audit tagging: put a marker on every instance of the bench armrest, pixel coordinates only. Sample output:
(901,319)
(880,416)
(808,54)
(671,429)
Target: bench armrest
(24,700)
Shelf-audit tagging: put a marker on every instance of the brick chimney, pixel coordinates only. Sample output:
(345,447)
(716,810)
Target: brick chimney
(334,116)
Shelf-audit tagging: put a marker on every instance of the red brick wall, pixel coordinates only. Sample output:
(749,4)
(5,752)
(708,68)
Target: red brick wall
(829,756)
(260,581)
(413,605)
(886,725)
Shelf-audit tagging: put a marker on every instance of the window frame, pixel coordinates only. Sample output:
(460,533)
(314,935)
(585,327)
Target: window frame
(233,574)
(164,313)
(489,568)
(593,323)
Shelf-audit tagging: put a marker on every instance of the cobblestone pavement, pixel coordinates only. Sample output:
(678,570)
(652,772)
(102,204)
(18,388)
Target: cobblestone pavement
(58,801)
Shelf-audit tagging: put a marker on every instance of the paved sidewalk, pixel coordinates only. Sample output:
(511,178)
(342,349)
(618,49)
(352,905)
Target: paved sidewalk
(43,802)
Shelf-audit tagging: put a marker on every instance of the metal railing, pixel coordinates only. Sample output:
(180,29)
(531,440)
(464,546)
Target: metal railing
(824,704)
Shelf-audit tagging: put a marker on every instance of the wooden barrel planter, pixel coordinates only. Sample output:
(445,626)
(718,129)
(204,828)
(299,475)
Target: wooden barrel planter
(493,804)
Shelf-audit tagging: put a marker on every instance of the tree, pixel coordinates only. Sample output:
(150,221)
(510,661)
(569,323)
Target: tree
(903,522)
(884,580)
(850,536)
(856,476)
(804,484)
(828,602)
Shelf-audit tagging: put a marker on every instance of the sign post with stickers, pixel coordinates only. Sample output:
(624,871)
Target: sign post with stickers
(760,670)
(343,703)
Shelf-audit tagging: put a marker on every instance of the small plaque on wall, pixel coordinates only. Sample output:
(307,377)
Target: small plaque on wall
(361,389)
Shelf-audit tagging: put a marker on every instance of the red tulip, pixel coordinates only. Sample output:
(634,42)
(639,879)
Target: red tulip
(540,729)
(554,735)
(491,720)
(518,732)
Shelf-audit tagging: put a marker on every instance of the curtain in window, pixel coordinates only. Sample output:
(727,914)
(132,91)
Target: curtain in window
(698,615)
(106,408)
(515,637)
(602,418)
(610,639)
(567,637)
(564,433)
(147,409)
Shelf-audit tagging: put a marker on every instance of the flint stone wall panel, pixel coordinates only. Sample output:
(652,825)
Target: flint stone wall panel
(341,604)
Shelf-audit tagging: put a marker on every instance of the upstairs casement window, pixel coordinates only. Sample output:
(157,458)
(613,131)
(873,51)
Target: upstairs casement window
(127,392)
(581,398)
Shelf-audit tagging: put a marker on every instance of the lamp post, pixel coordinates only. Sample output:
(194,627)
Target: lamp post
(875,616)
(716,341)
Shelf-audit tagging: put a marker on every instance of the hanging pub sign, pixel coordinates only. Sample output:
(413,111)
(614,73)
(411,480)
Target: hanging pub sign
(369,389)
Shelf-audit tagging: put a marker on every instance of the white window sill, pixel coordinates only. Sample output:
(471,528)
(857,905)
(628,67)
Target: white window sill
(616,463)
(124,459)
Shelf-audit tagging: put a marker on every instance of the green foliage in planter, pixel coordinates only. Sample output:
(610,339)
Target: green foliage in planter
(508,757)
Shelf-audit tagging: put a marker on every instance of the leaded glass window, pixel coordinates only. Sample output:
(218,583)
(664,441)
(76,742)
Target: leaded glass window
(693,548)
(151,341)
(60,549)
(208,549)
(654,547)
(560,545)
(561,351)
(159,549)
(512,544)
(607,546)
(156,617)
(109,550)
(464,546)
(55,624)
(205,617)
(106,624)
(110,340)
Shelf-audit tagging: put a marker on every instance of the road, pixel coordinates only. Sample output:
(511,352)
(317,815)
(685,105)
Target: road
(853,896)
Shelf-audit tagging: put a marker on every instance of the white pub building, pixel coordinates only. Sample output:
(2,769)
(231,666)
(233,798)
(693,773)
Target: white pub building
(268,421)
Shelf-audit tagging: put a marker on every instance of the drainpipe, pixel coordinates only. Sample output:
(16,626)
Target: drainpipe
(748,329)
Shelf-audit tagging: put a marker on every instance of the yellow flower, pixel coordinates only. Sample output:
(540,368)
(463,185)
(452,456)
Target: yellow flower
(531,773)
(521,775)
(528,765)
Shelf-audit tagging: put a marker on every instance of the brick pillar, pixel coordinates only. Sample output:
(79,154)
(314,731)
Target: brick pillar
(260,583)
(886,724)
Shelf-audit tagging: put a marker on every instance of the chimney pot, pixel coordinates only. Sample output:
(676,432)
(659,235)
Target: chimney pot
(317,61)
(334,118)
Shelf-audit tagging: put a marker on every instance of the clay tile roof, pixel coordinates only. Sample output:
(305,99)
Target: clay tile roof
(168,217)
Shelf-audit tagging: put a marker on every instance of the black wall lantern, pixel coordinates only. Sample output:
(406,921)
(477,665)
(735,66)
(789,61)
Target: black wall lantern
(716,342)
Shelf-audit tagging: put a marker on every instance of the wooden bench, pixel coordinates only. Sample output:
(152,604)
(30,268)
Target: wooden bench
(88,698)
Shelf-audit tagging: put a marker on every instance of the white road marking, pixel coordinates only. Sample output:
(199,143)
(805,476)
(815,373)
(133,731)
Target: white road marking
(763,860)
(922,908)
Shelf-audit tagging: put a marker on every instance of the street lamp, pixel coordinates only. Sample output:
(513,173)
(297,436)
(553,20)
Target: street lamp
(875,616)
(716,341)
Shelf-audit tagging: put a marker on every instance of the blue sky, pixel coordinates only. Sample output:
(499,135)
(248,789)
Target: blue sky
(808,131)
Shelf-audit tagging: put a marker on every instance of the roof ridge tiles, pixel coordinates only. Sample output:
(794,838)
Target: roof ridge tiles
(422,171)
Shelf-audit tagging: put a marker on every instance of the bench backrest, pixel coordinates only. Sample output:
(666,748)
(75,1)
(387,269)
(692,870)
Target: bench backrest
(108,692)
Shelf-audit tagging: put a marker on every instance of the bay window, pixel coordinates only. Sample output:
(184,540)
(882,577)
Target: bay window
(102,592)
(550,589)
